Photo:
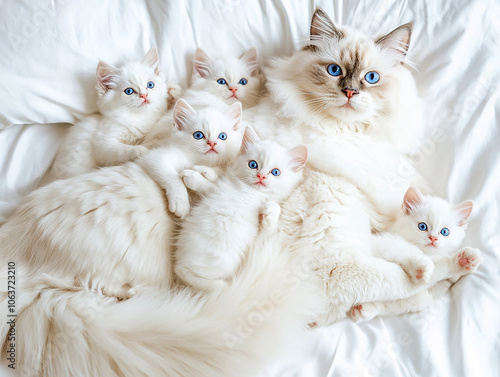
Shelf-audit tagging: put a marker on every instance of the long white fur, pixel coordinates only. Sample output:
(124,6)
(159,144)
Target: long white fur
(68,331)
(110,137)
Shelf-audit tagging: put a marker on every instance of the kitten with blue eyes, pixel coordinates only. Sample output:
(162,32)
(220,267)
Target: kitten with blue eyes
(230,79)
(131,99)
(218,231)
(437,228)
(201,138)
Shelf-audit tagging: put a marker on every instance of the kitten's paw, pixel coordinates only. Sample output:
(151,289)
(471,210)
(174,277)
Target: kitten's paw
(269,216)
(137,151)
(192,179)
(420,269)
(174,92)
(364,312)
(468,259)
(212,174)
(179,205)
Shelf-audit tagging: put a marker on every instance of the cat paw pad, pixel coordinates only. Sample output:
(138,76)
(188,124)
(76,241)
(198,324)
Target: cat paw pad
(363,312)
(468,259)
(420,270)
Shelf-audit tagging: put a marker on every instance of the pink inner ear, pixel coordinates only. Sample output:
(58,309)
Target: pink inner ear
(182,113)
(202,63)
(105,75)
(299,157)
(249,138)
(411,199)
(250,59)
(464,211)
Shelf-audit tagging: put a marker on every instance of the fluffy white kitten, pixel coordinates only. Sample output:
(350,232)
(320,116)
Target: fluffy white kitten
(205,137)
(131,99)
(218,231)
(437,228)
(230,79)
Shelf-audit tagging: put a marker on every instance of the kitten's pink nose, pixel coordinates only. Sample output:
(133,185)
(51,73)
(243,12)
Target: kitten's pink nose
(211,143)
(143,95)
(233,89)
(349,93)
(261,177)
(433,239)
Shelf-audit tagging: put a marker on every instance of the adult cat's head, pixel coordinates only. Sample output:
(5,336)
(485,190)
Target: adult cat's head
(267,166)
(433,224)
(211,136)
(341,74)
(230,79)
(134,88)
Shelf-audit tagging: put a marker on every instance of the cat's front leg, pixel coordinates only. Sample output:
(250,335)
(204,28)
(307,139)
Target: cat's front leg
(174,92)
(269,215)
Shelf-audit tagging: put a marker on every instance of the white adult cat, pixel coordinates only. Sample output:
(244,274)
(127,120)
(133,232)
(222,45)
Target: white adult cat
(131,99)
(351,99)
(218,231)
(207,137)
(437,228)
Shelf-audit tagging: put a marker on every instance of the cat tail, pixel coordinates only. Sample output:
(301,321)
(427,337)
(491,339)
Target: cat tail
(75,154)
(74,332)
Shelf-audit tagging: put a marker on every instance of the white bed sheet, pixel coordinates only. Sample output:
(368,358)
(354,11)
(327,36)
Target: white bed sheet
(50,50)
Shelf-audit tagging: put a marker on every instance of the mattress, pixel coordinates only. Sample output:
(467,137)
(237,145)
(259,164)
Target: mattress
(50,50)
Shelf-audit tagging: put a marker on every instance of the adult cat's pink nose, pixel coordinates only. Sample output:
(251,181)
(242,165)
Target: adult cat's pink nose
(349,93)
(261,177)
(433,239)
(143,95)
(232,89)
(211,143)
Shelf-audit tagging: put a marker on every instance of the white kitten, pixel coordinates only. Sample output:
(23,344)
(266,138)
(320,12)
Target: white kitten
(219,230)
(209,137)
(437,228)
(130,99)
(229,79)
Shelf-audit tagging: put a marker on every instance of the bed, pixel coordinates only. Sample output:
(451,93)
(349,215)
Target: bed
(50,51)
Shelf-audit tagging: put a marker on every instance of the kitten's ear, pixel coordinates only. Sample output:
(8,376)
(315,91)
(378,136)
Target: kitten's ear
(299,157)
(322,25)
(153,60)
(250,59)
(464,211)
(249,138)
(234,112)
(397,40)
(412,198)
(106,75)
(182,114)
(202,63)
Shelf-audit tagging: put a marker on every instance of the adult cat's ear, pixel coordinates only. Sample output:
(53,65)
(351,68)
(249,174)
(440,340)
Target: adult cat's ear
(153,60)
(250,59)
(397,41)
(412,198)
(182,114)
(202,63)
(249,138)
(322,25)
(234,112)
(299,157)
(464,211)
(106,76)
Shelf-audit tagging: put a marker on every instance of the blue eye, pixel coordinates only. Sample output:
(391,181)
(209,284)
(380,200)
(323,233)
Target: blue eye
(422,226)
(243,81)
(372,77)
(445,232)
(198,135)
(253,164)
(222,136)
(334,70)
(151,85)
(129,91)
(276,172)
(221,81)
